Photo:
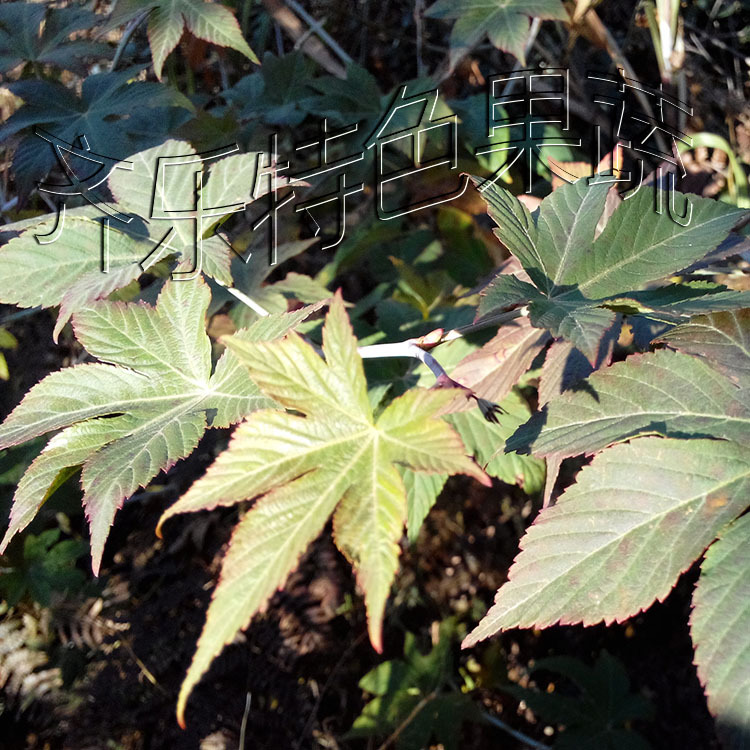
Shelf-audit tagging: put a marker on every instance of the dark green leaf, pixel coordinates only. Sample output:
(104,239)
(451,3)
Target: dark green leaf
(639,245)
(720,627)
(29,32)
(118,115)
(580,280)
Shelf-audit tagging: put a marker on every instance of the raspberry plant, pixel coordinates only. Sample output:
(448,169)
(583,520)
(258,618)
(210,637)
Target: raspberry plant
(667,429)
(640,369)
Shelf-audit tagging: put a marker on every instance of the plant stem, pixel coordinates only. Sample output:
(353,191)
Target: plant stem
(514,732)
(245,714)
(487,322)
(247,301)
(409,348)
(414,348)
(320,31)
(405,723)
(125,38)
(11,317)
(418,349)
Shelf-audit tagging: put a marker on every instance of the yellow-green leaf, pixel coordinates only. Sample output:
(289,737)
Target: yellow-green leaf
(142,407)
(328,454)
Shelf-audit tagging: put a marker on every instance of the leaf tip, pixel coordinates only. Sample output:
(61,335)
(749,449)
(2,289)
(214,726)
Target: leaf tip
(185,690)
(59,325)
(483,477)
(471,640)
(375,629)
(337,301)
(10,532)
(160,523)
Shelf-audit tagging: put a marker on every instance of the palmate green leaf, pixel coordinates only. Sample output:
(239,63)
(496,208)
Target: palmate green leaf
(617,540)
(352,99)
(599,717)
(486,442)
(639,245)
(45,565)
(433,718)
(506,22)
(549,245)
(327,455)
(118,115)
(168,19)
(579,280)
(517,230)
(411,696)
(138,410)
(422,492)
(722,338)
(720,628)
(576,320)
(68,271)
(277,93)
(566,224)
(29,32)
(506,290)
(665,393)
(163,181)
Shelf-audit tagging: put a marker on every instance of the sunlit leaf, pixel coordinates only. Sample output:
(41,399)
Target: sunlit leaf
(580,280)
(86,262)
(142,407)
(328,454)
(611,546)
(67,272)
(167,20)
(665,393)
(162,183)
(722,338)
